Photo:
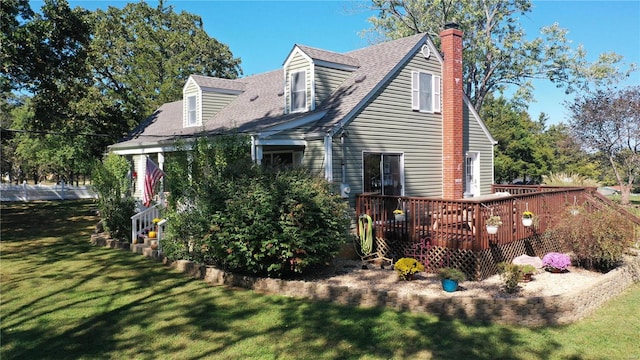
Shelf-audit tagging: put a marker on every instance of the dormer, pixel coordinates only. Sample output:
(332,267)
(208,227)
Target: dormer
(204,96)
(310,75)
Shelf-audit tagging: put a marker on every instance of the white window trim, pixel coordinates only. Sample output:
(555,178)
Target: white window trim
(291,91)
(383,153)
(435,94)
(475,156)
(328,158)
(190,121)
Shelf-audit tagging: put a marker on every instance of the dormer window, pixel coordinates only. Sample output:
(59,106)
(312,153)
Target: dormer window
(425,92)
(192,119)
(298,91)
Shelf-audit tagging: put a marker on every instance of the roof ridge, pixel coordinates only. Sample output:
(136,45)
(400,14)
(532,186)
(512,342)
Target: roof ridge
(327,55)
(372,47)
(260,104)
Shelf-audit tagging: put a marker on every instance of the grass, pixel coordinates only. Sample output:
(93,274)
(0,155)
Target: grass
(62,298)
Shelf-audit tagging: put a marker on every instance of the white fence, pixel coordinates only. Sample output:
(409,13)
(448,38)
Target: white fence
(26,192)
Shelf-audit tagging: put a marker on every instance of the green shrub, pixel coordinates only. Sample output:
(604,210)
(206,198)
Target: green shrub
(116,216)
(116,207)
(527,269)
(451,273)
(186,223)
(510,274)
(247,219)
(596,239)
(200,178)
(281,223)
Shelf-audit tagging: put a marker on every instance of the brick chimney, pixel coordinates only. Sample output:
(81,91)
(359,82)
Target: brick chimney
(452,113)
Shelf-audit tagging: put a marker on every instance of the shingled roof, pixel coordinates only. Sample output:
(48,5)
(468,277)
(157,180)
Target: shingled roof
(219,83)
(329,56)
(260,105)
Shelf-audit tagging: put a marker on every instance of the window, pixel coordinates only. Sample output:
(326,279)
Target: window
(191,111)
(282,159)
(382,173)
(425,92)
(298,91)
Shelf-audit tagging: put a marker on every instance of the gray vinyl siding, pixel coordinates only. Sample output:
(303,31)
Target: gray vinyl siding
(212,102)
(388,125)
(191,88)
(327,80)
(314,157)
(476,140)
(298,63)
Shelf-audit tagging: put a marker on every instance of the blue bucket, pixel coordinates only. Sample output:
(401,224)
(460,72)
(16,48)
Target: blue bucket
(449,285)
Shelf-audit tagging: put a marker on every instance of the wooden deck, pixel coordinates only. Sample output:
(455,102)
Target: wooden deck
(460,223)
(441,232)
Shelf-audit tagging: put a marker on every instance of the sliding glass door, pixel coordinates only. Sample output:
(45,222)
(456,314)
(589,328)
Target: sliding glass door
(383,173)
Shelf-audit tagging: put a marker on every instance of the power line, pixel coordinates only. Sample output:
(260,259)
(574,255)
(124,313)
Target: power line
(53,132)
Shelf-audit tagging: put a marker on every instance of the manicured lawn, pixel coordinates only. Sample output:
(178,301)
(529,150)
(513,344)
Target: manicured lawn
(61,298)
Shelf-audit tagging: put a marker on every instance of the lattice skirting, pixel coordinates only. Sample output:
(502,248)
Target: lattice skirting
(477,265)
(488,259)
(480,265)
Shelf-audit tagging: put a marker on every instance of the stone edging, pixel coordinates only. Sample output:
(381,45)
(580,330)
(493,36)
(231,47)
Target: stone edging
(536,311)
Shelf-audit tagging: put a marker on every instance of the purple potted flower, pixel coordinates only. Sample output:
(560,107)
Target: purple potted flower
(556,262)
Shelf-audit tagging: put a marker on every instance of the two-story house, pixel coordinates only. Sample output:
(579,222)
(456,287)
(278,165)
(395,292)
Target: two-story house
(390,118)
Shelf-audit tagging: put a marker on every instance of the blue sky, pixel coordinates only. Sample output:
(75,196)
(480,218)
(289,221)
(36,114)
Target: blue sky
(262,33)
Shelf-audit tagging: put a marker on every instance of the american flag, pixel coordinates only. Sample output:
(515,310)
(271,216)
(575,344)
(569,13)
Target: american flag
(152,175)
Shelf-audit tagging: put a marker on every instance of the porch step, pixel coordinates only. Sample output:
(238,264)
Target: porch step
(145,240)
(146,250)
(149,252)
(143,246)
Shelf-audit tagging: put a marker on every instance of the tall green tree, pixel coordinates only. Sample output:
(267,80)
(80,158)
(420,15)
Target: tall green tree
(142,56)
(497,54)
(92,77)
(528,149)
(7,149)
(518,153)
(29,155)
(12,45)
(607,122)
(568,156)
(46,59)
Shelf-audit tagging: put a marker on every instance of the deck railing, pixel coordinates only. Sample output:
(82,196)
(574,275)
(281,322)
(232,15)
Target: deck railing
(143,222)
(460,224)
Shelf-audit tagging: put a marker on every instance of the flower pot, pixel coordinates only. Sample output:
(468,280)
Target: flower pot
(400,217)
(492,229)
(449,285)
(527,222)
(526,277)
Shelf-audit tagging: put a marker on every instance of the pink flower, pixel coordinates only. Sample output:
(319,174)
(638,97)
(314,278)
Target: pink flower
(556,260)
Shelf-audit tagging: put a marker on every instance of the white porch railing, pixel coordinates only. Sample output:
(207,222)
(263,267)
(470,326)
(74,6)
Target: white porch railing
(160,233)
(143,221)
